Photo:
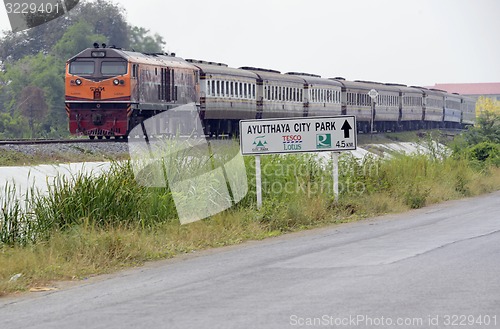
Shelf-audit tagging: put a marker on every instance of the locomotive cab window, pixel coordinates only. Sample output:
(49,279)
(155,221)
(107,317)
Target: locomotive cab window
(113,68)
(81,67)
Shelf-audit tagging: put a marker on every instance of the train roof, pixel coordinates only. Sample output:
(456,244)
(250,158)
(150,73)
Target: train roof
(367,85)
(406,89)
(273,75)
(313,79)
(213,68)
(135,57)
(427,91)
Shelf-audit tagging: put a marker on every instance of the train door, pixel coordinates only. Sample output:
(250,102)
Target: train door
(136,89)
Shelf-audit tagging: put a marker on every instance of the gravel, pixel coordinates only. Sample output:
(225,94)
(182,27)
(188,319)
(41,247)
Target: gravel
(45,153)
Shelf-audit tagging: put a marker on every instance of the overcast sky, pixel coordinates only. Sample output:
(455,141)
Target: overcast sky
(415,42)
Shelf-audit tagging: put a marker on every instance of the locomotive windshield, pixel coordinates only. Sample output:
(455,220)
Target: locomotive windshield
(97,68)
(113,68)
(82,68)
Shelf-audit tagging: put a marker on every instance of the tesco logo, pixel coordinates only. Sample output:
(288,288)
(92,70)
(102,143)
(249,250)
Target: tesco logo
(292,139)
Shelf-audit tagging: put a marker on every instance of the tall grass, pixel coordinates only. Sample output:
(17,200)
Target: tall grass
(87,224)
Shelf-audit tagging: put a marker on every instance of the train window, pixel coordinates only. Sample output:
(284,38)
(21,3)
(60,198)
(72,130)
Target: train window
(218,88)
(113,68)
(231,88)
(81,67)
(253,91)
(227,89)
(156,71)
(208,88)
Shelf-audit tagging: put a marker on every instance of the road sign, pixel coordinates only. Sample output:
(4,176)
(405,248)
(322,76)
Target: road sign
(373,94)
(291,135)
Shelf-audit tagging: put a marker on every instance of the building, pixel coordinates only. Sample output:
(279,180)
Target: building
(475,90)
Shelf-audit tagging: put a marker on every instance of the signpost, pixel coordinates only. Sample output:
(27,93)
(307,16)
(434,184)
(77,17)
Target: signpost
(294,135)
(373,94)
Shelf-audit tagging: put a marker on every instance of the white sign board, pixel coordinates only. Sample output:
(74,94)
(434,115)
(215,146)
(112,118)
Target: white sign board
(373,93)
(290,135)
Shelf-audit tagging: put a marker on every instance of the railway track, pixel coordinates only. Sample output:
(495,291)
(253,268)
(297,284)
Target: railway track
(444,131)
(58,141)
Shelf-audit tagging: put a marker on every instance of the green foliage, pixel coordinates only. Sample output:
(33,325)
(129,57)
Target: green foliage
(415,196)
(44,72)
(487,129)
(481,143)
(297,193)
(112,199)
(485,152)
(487,104)
(140,40)
(37,57)
(105,17)
(77,38)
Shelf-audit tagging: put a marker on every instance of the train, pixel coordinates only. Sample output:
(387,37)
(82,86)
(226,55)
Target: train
(108,91)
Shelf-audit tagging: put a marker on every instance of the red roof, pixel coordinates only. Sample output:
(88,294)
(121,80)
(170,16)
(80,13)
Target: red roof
(489,88)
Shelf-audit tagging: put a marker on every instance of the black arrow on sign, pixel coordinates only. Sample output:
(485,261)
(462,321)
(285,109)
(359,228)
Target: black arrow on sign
(346,127)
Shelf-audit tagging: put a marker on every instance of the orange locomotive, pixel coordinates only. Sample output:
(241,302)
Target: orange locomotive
(109,90)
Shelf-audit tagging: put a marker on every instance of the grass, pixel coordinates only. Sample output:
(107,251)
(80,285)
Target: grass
(10,157)
(87,226)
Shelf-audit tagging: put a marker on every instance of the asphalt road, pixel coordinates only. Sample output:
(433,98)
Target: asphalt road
(437,267)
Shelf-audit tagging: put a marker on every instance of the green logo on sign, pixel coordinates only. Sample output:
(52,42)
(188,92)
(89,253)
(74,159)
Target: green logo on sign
(323,141)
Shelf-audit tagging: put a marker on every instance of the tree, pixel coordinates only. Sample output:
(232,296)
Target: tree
(47,73)
(36,58)
(140,40)
(105,17)
(77,38)
(32,105)
(487,104)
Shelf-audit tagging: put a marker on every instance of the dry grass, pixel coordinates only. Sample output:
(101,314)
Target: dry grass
(86,247)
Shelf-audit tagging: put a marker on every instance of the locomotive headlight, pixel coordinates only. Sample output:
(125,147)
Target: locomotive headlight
(116,82)
(78,82)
